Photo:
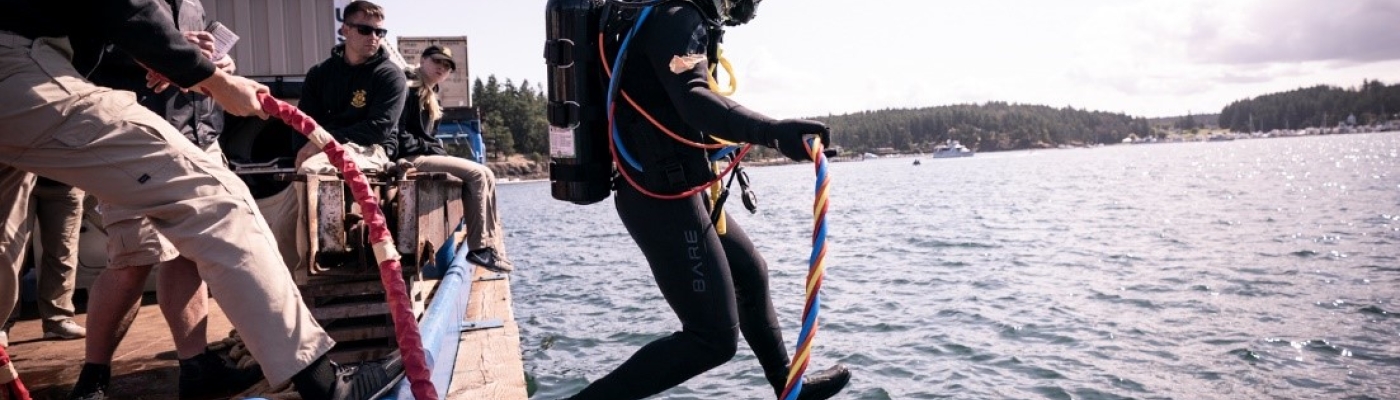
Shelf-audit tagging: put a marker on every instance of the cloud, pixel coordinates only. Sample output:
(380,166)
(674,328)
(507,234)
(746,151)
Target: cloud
(1264,31)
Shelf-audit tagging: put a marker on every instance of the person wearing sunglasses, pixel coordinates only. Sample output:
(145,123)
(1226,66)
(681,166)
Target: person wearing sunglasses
(357,94)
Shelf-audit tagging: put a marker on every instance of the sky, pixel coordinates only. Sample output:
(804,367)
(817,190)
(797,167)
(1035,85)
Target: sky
(1152,58)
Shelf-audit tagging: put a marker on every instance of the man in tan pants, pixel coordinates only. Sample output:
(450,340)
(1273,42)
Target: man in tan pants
(56,124)
(14,237)
(58,210)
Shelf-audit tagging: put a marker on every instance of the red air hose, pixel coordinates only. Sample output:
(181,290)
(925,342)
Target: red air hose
(10,384)
(390,272)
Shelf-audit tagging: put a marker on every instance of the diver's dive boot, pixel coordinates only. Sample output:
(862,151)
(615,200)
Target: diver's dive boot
(823,384)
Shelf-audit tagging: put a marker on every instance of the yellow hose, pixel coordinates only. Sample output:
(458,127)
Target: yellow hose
(713,78)
(721,227)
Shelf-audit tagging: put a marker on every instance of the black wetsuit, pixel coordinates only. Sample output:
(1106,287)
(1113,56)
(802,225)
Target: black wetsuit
(717,285)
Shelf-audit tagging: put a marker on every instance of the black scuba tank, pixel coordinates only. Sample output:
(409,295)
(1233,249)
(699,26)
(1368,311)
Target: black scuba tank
(580,167)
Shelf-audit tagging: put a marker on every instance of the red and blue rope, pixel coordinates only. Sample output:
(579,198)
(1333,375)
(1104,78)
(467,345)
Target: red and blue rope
(816,270)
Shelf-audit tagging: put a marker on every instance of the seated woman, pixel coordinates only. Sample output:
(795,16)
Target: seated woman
(417,145)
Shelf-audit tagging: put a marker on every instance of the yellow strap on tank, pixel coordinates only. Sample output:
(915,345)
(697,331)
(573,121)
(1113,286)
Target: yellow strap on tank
(720,227)
(713,79)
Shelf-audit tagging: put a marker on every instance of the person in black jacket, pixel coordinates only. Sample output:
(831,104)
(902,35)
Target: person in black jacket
(416,144)
(357,94)
(716,284)
(134,246)
(55,123)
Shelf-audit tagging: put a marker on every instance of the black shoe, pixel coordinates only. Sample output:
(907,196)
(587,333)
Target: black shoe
(825,383)
(210,374)
(367,380)
(92,382)
(487,257)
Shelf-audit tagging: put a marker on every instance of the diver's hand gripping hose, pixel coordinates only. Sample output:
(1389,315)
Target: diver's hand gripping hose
(789,137)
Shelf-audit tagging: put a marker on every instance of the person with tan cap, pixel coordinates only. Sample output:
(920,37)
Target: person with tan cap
(416,144)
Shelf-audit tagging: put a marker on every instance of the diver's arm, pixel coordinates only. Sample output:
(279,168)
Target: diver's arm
(669,33)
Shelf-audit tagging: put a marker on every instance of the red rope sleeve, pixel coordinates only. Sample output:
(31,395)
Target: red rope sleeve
(390,272)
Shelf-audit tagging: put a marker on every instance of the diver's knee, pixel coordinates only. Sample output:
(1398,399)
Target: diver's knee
(720,346)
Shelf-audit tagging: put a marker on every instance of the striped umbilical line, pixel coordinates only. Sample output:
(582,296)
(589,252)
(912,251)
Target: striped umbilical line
(390,272)
(816,270)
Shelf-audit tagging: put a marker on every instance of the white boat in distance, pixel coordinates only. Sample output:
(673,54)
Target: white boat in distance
(951,149)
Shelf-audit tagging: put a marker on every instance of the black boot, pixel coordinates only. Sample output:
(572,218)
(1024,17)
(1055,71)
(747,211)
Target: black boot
(368,380)
(92,382)
(325,380)
(823,384)
(210,374)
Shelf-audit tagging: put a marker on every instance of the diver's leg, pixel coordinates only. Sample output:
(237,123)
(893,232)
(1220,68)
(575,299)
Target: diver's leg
(757,319)
(689,266)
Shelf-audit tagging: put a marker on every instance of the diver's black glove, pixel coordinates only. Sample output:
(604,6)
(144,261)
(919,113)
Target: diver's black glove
(788,135)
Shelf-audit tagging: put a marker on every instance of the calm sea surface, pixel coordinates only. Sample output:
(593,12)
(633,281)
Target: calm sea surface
(1252,269)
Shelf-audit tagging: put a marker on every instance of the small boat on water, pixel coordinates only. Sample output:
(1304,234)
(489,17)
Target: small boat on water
(916,161)
(951,149)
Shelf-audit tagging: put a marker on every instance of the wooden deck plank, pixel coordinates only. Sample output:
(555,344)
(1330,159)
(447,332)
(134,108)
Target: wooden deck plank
(489,364)
(144,366)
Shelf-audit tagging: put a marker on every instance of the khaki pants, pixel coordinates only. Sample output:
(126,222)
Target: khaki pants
(478,199)
(134,241)
(15,187)
(56,124)
(58,210)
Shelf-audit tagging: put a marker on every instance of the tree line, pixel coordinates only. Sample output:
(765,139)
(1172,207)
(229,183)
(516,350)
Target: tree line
(512,117)
(1317,106)
(992,126)
(513,120)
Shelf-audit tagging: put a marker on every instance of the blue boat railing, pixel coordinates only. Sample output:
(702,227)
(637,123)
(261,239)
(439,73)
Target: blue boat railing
(441,325)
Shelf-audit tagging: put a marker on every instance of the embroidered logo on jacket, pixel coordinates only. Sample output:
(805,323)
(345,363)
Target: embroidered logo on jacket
(357,100)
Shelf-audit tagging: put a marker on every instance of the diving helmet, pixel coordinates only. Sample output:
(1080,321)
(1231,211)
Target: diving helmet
(739,12)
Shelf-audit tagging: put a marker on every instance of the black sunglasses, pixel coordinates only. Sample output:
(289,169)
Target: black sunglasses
(366,29)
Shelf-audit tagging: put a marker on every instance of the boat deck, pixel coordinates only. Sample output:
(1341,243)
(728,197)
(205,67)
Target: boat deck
(144,366)
(488,364)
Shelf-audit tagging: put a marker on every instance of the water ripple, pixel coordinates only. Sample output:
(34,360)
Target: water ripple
(1252,269)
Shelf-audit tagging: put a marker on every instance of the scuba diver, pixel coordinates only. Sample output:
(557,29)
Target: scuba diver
(717,284)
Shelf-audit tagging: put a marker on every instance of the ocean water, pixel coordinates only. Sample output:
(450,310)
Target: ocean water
(1251,269)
